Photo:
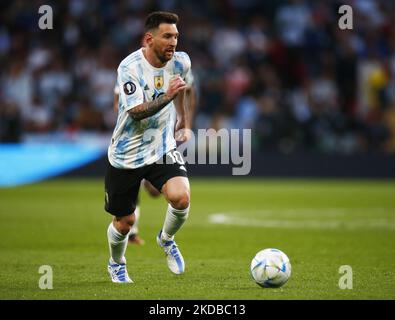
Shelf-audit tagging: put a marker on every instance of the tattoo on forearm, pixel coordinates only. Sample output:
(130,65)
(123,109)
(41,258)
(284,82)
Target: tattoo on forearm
(147,109)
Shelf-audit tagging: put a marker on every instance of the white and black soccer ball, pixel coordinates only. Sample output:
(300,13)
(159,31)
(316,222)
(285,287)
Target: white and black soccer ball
(270,268)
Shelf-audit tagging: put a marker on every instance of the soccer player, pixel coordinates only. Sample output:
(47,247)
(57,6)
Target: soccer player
(190,97)
(143,144)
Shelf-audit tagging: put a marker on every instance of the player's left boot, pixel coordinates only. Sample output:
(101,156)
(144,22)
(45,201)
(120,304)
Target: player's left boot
(175,261)
(118,272)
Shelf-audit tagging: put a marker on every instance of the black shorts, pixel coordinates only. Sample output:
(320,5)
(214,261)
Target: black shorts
(122,185)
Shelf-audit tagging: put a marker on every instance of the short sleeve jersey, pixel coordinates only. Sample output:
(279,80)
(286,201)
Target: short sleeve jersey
(137,143)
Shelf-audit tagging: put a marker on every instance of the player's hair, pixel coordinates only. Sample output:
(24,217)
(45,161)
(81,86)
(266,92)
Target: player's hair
(154,19)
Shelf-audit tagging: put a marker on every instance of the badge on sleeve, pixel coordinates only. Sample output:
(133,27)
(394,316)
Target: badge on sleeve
(129,88)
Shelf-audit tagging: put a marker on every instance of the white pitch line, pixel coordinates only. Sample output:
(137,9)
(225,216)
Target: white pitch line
(239,220)
(316,211)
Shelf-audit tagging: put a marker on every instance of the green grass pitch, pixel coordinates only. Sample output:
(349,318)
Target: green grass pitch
(320,224)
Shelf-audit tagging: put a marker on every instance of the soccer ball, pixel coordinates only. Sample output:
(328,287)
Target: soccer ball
(270,268)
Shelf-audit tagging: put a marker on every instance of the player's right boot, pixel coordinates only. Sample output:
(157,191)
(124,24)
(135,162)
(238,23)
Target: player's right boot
(118,272)
(175,261)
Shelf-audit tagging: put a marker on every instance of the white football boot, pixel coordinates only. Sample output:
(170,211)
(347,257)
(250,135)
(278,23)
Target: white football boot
(118,272)
(175,261)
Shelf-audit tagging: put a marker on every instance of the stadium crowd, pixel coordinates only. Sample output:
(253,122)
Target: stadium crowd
(282,68)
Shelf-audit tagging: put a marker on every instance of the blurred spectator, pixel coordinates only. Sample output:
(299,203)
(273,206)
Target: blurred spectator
(37,116)
(55,81)
(227,44)
(10,123)
(17,84)
(292,21)
(102,79)
(89,118)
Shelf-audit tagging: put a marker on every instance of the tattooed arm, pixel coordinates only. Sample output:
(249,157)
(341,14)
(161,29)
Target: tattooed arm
(148,109)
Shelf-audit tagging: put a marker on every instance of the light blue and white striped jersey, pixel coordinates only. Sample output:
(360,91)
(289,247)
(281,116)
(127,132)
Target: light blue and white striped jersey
(135,143)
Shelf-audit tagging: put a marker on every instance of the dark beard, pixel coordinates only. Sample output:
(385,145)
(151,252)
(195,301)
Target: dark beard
(161,57)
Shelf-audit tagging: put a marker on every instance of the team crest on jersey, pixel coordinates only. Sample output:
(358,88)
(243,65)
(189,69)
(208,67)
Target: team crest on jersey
(129,88)
(158,81)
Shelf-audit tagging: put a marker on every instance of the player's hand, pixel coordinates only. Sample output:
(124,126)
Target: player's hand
(176,85)
(182,132)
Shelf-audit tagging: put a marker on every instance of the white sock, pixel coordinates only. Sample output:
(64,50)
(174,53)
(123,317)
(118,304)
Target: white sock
(135,229)
(174,220)
(117,243)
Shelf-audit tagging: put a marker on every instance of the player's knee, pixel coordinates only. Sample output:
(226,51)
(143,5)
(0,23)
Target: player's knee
(180,200)
(124,224)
